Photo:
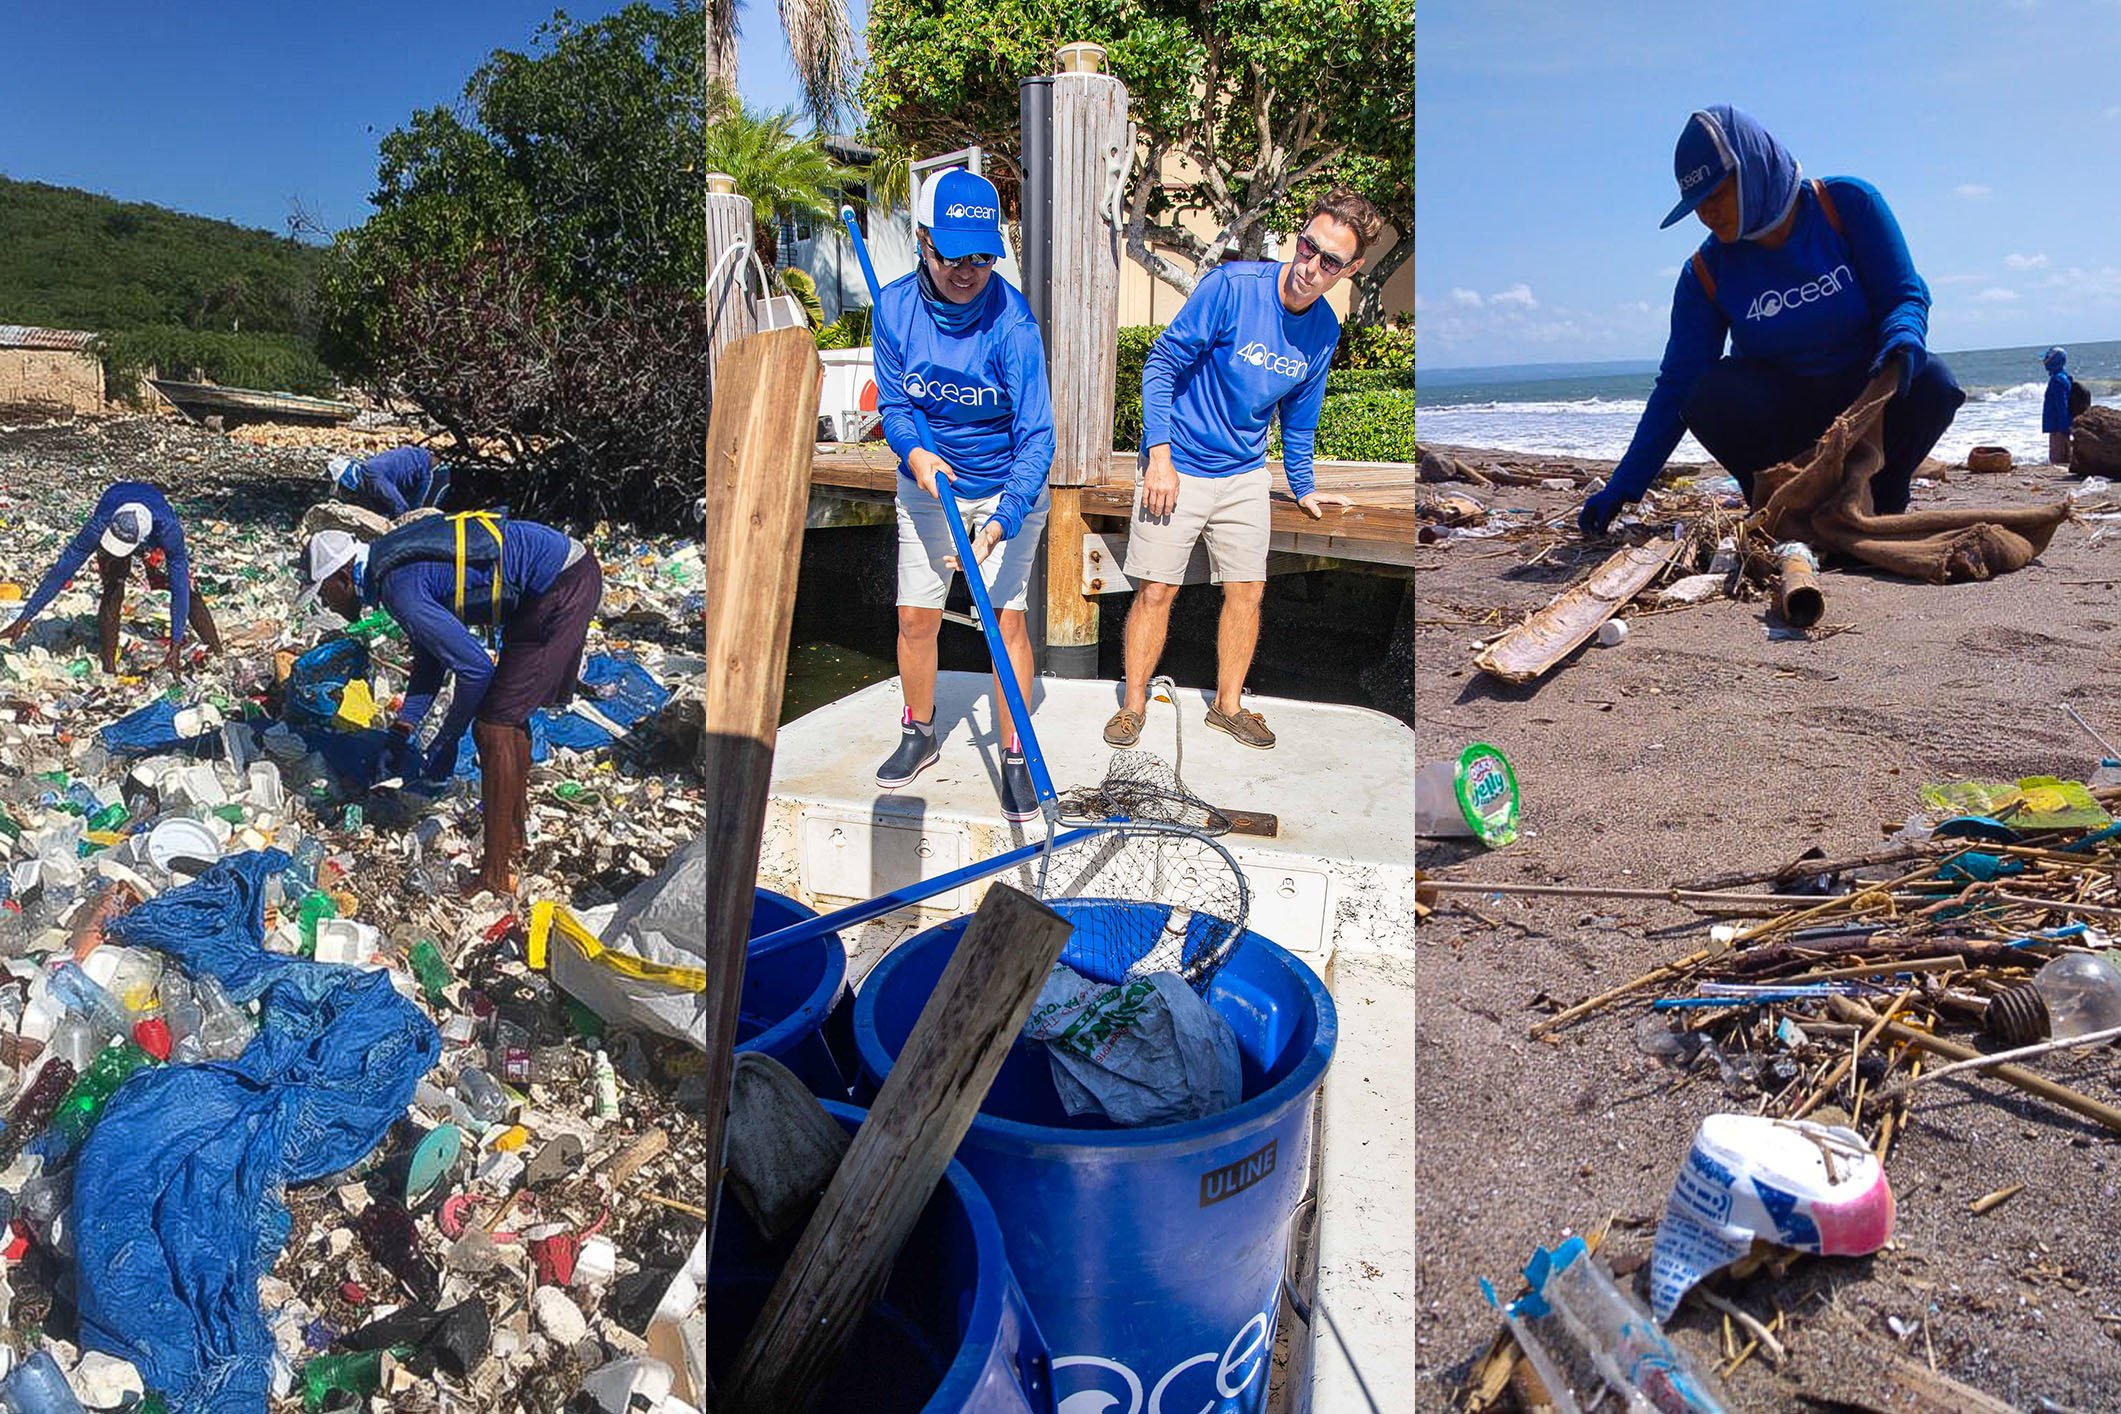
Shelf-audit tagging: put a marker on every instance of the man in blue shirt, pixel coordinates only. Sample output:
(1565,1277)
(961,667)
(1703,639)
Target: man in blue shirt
(961,346)
(1812,284)
(2056,412)
(1253,342)
(131,517)
(536,586)
(392,483)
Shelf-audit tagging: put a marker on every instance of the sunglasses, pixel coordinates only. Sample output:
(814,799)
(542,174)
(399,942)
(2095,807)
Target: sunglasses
(962,262)
(1307,249)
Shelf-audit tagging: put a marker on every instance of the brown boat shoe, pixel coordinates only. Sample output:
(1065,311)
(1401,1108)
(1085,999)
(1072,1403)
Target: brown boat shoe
(1124,728)
(1248,727)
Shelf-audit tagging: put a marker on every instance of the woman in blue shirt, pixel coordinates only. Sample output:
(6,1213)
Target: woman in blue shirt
(1813,286)
(962,347)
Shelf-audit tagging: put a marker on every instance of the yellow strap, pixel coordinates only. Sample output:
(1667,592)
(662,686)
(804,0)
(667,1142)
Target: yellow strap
(544,914)
(486,519)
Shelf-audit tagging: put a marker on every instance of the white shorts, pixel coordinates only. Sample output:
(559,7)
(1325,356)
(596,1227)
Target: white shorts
(924,539)
(1230,513)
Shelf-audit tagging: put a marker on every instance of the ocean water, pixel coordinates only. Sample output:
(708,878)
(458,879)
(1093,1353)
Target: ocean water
(1590,410)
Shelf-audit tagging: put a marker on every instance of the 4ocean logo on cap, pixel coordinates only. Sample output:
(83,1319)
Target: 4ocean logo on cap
(1686,183)
(1260,356)
(1769,303)
(958,211)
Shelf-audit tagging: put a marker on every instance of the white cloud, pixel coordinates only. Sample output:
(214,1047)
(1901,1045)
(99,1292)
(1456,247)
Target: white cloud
(1997,295)
(1971,191)
(2025,262)
(1519,294)
(1956,280)
(1466,299)
(1669,272)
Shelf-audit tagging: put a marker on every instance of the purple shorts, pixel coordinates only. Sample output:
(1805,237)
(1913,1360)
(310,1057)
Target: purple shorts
(541,646)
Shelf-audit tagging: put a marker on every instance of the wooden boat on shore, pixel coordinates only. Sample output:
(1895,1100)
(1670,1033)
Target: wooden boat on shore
(200,401)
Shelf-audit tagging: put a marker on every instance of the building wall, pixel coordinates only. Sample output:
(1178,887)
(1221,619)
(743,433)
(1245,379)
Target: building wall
(51,378)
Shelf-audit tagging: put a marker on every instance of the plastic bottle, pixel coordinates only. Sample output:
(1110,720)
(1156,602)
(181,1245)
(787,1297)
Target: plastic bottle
(226,1029)
(2073,995)
(90,1096)
(607,1086)
(484,1098)
(34,1108)
(359,1374)
(432,969)
(1584,1330)
(84,996)
(38,1386)
(316,906)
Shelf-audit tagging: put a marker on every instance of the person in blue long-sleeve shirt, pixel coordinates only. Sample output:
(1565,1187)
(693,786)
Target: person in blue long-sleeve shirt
(2056,413)
(392,483)
(538,587)
(958,347)
(1253,342)
(132,517)
(1812,285)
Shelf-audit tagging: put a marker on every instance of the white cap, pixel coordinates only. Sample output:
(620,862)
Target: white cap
(129,526)
(335,471)
(328,552)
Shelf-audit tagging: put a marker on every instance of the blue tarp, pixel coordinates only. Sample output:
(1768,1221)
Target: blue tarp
(143,733)
(177,1198)
(319,676)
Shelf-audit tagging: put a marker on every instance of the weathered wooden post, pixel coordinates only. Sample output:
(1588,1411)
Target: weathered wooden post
(729,309)
(1075,168)
(759,442)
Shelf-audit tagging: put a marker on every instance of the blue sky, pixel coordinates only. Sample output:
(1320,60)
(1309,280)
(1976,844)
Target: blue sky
(237,109)
(1546,133)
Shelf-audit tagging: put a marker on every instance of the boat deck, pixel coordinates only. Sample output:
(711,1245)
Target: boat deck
(1378,529)
(1335,886)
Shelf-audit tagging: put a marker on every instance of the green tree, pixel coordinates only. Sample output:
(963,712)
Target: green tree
(784,175)
(1263,99)
(820,41)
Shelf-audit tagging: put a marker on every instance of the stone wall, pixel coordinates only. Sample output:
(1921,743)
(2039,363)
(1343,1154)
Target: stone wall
(51,380)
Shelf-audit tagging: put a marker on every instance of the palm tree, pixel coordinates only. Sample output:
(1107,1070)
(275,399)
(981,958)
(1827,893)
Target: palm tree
(819,37)
(784,175)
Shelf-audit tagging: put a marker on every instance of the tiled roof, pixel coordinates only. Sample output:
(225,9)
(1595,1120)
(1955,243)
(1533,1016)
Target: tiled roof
(24,336)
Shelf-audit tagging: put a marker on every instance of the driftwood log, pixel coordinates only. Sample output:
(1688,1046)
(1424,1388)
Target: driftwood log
(2095,443)
(1824,500)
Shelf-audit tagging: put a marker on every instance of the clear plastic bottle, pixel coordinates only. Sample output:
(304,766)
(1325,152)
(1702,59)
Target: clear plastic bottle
(1585,1330)
(226,1029)
(2075,994)
(38,1386)
(84,996)
(481,1095)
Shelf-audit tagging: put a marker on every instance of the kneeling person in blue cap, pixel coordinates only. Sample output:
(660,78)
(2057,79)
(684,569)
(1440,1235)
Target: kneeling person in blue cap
(537,586)
(392,483)
(132,516)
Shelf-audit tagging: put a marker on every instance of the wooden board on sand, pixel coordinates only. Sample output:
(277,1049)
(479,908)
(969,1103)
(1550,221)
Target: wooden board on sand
(1570,617)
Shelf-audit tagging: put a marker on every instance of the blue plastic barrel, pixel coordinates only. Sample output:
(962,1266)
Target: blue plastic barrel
(789,997)
(1153,1257)
(951,1333)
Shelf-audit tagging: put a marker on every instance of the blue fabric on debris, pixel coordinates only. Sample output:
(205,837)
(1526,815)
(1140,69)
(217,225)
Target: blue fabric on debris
(319,676)
(151,729)
(632,695)
(177,1200)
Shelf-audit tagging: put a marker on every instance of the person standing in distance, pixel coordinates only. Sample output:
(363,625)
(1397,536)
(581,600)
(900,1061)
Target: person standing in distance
(1252,342)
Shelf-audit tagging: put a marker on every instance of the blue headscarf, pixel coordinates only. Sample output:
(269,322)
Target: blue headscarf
(1768,177)
(2054,359)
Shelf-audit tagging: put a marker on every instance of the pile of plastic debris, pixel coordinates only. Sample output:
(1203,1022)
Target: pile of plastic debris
(296,1002)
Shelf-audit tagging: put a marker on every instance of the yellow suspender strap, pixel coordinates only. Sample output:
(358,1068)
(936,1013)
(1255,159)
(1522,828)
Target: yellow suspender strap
(484,518)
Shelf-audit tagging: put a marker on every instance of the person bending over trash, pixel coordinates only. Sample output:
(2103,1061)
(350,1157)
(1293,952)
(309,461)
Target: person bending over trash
(393,483)
(1813,286)
(1252,341)
(961,345)
(131,517)
(535,586)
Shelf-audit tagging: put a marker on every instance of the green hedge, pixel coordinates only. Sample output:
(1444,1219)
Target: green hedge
(1368,414)
(283,363)
(1386,346)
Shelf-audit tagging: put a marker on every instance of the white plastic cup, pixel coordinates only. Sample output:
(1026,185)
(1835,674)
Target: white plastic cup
(1612,633)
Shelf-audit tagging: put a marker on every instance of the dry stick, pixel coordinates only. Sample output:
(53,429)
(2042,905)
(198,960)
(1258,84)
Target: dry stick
(2057,906)
(1754,1328)
(1806,868)
(1669,895)
(898,1155)
(2074,1101)
(1848,1063)
(2093,1038)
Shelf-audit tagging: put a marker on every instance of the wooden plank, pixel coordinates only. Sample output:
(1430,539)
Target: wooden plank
(729,224)
(758,483)
(899,1154)
(1570,617)
(1089,131)
(1071,615)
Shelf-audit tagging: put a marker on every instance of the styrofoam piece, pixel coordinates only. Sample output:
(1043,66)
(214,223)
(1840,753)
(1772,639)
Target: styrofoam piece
(182,838)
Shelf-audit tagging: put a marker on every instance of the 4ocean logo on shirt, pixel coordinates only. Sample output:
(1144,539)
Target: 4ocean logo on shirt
(969,395)
(1260,356)
(1769,303)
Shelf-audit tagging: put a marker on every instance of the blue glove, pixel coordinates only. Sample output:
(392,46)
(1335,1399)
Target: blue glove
(401,758)
(1598,511)
(1912,356)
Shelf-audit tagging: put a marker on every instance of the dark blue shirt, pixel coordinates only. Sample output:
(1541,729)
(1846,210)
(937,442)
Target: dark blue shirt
(396,481)
(422,597)
(166,535)
(2054,412)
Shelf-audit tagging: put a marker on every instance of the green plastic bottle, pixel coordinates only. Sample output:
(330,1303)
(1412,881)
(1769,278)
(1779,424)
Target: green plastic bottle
(110,817)
(84,1103)
(432,970)
(360,1374)
(316,906)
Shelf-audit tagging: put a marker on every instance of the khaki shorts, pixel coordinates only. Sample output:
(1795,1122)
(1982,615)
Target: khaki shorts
(924,539)
(1228,512)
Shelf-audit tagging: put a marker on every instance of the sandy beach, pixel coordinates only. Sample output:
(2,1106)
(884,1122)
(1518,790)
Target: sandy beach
(1709,742)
